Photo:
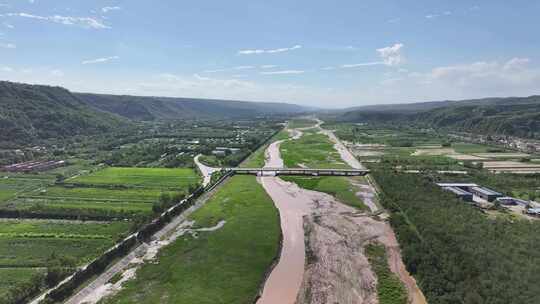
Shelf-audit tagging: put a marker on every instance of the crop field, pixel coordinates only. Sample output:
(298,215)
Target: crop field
(394,138)
(6,194)
(16,276)
(301,123)
(312,150)
(470,148)
(27,246)
(140,177)
(222,266)
(83,193)
(111,193)
(9,187)
(31,227)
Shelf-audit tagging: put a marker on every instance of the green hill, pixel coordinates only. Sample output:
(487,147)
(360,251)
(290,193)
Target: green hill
(516,116)
(166,108)
(31,112)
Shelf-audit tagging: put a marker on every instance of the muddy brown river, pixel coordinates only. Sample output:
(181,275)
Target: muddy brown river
(285,279)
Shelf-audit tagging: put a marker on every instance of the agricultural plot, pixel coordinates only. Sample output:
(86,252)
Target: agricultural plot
(12,277)
(27,247)
(105,196)
(140,177)
(99,194)
(301,123)
(12,186)
(222,266)
(112,193)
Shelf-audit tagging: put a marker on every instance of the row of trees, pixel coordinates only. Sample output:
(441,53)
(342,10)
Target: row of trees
(458,254)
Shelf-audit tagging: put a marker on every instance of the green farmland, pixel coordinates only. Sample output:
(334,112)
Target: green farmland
(27,247)
(106,194)
(237,255)
(147,195)
(301,123)
(140,177)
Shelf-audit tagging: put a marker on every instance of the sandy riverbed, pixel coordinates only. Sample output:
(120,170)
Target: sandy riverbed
(322,258)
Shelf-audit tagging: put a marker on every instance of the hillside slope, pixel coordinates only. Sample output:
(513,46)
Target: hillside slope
(165,108)
(30,112)
(516,116)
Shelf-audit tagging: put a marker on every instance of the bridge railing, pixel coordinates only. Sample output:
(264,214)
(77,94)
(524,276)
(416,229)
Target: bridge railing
(298,171)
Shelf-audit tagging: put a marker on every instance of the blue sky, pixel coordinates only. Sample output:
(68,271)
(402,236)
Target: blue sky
(318,53)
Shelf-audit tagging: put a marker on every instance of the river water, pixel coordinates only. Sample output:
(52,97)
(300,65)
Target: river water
(284,282)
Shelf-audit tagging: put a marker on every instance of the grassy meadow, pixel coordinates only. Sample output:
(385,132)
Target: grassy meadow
(140,177)
(312,150)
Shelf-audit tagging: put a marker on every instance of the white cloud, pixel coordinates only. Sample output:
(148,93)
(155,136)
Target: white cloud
(286,72)
(355,65)
(107,9)
(270,51)
(516,64)
(86,22)
(6,69)
(512,73)
(8,46)
(215,71)
(244,67)
(391,55)
(437,15)
(100,60)
(8,25)
(268,66)
(514,77)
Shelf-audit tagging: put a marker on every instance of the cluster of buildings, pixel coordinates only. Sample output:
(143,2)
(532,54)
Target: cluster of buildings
(34,166)
(467,192)
(514,143)
(222,151)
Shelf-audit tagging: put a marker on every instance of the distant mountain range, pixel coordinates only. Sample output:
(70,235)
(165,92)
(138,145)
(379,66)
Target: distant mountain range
(517,116)
(166,108)
(31,112)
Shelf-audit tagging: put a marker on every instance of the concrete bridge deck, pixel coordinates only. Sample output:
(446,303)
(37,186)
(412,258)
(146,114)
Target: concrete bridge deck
(298,171)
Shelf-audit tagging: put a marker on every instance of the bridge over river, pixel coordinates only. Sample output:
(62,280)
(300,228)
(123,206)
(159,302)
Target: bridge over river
(297,171)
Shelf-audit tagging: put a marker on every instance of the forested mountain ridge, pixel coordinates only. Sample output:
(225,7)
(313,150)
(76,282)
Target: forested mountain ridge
(30,112)
(169,108)
(516,116)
